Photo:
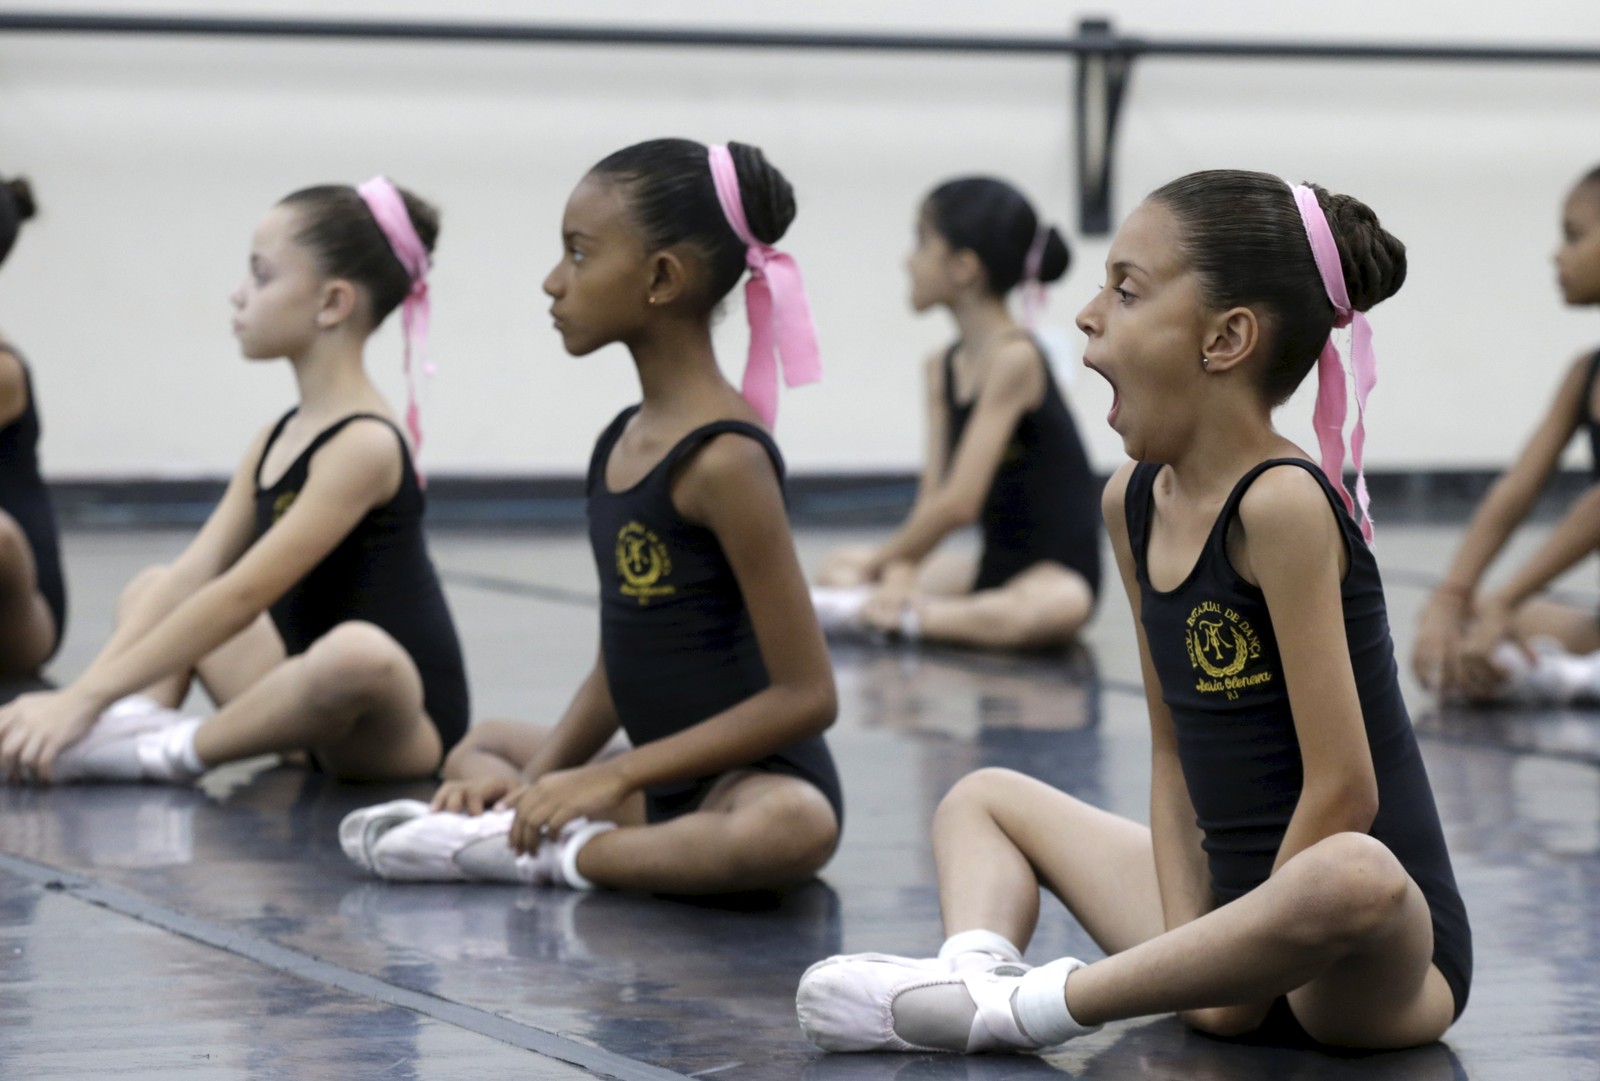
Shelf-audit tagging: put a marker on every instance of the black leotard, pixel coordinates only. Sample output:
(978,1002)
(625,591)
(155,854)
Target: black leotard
(1044,502)
(674,632)
(381,574)
(1586,412)
(24,496)
(1216,654)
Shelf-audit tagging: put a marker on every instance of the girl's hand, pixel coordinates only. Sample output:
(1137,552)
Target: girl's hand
(1436,656)
(1491,625)
(472,797)
(845,569)
(885,609)
(35,728)
(545,806)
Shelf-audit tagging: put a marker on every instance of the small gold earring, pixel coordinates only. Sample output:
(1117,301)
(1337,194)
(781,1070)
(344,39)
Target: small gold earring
(651,301)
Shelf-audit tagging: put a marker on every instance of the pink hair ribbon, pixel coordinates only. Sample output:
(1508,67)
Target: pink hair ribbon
(775,302)
(1033,295)
(389,210)
(1329,415)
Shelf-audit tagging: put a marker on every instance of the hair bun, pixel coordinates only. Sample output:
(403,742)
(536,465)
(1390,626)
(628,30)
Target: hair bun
(765,192)
(1056,257)
(22,197)
(1373,259)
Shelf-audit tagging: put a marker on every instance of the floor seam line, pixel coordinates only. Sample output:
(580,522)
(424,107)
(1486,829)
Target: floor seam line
(264,952)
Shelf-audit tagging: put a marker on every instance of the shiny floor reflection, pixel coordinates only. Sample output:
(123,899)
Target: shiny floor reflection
(218,931)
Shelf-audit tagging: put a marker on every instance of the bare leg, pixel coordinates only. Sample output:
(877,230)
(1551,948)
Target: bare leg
(1341,928)
(754,830)
(1578,629)
(1043,606)
(999,835)
(846,566)
(27,627)
(947,574)
(354,698)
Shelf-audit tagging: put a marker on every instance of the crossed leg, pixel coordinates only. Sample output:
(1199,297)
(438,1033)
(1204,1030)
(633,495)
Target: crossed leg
(354,699)
(752,830)
(28,629)
(1341,929)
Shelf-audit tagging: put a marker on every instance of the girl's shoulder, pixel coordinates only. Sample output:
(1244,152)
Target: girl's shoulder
(1288,502)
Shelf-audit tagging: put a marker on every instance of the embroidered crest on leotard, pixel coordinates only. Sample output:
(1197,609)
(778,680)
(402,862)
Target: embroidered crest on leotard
(281,505)
(1222,644)
(642,562)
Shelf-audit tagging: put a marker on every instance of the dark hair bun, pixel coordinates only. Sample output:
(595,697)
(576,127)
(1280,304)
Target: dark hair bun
(1056,257)
(767,197)
(424,218)
(22,198)
(1374,261)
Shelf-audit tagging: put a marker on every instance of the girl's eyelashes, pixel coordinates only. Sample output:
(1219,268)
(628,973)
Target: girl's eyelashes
(1122,294)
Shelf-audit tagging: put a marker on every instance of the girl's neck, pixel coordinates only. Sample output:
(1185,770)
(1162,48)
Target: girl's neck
(981,319)
(333,381)
(678,373)
(1228,437)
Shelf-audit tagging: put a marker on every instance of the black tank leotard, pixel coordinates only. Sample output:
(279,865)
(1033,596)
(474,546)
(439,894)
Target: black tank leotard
(674,632)
(1212,642)
(24,496)
(1586,411)
(1044,502)
(381,574)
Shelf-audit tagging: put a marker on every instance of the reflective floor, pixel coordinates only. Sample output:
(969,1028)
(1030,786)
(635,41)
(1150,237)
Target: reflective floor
(218,932)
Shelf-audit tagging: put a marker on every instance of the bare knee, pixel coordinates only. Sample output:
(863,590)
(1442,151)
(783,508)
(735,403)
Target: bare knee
(981,792)
(140,585)
(789,839)
(492,737)
(13,544)
(1353,885)
(353,666)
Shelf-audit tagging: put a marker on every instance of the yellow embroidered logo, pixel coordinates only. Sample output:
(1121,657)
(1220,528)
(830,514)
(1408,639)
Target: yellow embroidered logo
(280,506)
(1221,644)
(642,562)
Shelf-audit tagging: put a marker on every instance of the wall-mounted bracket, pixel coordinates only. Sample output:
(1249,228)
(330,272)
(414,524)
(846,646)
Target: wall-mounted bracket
(1103,75)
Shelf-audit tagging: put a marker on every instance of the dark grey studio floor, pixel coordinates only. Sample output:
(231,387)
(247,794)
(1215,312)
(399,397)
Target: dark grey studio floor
(218,933)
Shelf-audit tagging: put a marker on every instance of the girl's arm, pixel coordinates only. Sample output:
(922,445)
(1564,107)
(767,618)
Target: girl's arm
(1295,552)
(1573,538)
(1435,655)
(355,471)
(1181,872)
(730,487)
(480,775)
(13,387)
(951,498)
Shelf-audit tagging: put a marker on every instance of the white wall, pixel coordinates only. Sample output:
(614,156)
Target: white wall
(153,158)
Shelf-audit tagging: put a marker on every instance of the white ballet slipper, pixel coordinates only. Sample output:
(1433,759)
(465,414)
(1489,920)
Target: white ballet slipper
(135,739)
(839,607)
(360,829)
(848,1005)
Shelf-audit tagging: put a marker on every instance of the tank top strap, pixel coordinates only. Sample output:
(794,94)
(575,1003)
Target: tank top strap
(1230,509)
(950,377)
(1585,412)
(1136,509)
(322,437)
(691,443)
(602,449)
(272,438)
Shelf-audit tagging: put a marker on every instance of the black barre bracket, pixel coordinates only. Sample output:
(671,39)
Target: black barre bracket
(1102,81)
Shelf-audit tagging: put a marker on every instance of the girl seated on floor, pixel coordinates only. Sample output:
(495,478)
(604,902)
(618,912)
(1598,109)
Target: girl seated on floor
(1293,880)
(1510,643)
(307,605)
(710,657)
(33,599)
(1002,451)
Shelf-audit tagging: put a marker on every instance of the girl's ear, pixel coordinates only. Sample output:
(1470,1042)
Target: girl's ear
(1231,338)
(338,303)
(669,280)
(966,268)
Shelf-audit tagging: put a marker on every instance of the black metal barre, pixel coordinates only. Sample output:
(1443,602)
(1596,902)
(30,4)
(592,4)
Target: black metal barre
(1104,58)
